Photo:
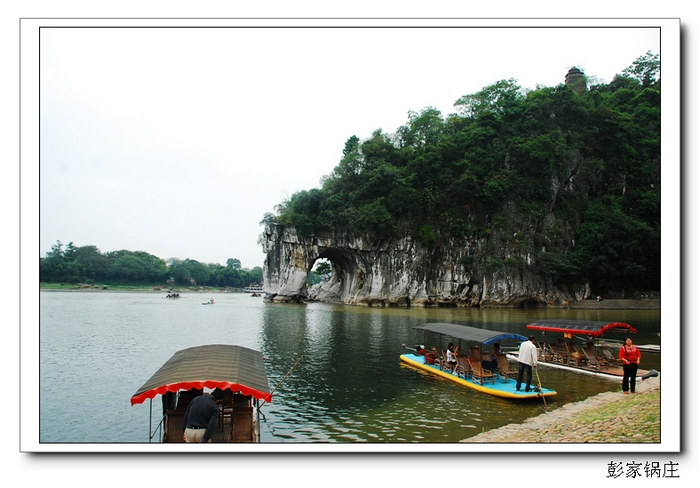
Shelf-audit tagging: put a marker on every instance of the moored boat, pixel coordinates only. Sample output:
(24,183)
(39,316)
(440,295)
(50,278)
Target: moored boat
(617,344)
(470,373)
(598,356)
(235,376)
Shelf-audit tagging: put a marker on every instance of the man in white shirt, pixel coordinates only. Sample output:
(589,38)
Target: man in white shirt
(527,359)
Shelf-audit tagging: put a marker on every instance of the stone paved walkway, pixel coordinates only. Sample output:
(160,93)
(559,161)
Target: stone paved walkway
(606,417)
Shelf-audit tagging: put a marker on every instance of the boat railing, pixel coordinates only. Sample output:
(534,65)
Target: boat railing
(158,430)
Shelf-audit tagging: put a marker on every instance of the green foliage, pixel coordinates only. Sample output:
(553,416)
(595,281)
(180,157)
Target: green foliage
(511,261)
(324,268)
(559,267)
(617,251)
(374,217)
(507,158)
(427,236)
(87,264)
(645,69)
(500,98)
(322,271)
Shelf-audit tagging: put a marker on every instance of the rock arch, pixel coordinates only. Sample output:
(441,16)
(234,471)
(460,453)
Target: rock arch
(359,267)
(399,272)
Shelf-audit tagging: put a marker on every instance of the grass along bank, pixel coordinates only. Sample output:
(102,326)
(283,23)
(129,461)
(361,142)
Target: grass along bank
(609,417)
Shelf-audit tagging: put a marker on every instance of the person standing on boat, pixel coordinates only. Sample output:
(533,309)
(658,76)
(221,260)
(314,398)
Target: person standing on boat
(631,357)
(527,359)
(201,418)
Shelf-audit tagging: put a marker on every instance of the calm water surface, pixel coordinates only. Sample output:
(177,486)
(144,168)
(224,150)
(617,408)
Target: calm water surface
(98,348)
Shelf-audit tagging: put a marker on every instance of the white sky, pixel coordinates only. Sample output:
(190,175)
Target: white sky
(177,141)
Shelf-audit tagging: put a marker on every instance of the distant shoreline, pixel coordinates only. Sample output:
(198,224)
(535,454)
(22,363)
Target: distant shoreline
(73,289)
(619,304)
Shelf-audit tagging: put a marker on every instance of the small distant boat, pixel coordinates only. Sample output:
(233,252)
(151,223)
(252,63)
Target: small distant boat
(256,290)
(470,373)
(598,356)
(210,302)
(237,377)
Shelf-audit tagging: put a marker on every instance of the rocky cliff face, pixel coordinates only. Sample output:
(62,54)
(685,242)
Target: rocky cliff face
(403,272)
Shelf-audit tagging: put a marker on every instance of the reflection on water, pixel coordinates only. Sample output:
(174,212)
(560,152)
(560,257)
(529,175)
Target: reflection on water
(97,349)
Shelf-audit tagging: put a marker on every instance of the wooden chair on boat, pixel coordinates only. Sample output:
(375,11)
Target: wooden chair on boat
(575,356)
(606,354)
(543,352)
(445,366)
(242,425)
(226,409)
(173,426)
(475,354)
(504,367)
(241,429)
(563,351)
(592,359)
(464,367)
(557,355)
(438,357)
(478,372)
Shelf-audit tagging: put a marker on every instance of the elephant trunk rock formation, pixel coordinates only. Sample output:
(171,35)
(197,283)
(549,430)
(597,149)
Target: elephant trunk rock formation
(401,272)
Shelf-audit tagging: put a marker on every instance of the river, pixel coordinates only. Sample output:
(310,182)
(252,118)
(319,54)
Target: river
(97,348)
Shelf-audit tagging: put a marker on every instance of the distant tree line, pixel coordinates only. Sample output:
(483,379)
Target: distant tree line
(573,168)
(87,264)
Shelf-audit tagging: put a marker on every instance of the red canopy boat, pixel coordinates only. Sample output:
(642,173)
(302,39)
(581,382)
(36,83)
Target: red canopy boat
(591,358)
(236,375)
(584,327)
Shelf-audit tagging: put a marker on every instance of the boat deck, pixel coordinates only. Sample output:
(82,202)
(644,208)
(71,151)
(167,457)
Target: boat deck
(235,426)
(615,372)
(611,372)
(499,386)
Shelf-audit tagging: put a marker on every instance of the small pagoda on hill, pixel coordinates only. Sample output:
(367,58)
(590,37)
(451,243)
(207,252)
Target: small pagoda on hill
(576,80)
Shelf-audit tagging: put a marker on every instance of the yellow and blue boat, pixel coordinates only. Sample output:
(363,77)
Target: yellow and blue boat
(498,382)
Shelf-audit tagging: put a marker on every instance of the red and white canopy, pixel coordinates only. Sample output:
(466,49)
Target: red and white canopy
(212,366)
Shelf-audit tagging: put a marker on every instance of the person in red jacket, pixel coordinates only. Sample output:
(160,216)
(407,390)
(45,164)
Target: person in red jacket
(631,357)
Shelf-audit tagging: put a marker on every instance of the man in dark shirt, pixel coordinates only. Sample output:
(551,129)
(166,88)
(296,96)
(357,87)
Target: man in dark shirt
(201,418)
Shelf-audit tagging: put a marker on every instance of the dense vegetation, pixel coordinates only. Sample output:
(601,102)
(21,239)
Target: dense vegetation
(86,264)
(572,171)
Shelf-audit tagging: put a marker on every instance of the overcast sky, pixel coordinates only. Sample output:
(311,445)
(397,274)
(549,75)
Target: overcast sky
(177,141)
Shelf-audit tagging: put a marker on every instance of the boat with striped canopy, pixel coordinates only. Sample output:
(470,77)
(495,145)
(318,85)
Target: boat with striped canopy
(470,373)
(234,375)
(594,357)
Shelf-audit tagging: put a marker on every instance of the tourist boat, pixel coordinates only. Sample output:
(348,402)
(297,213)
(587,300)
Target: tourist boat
(498,382)
(235,375)
(597,356)
(616,344)
(255,290)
